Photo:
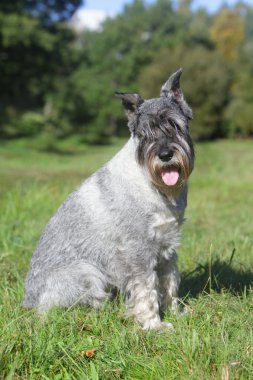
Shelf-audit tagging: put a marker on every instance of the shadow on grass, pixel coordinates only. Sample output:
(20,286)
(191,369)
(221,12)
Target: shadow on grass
(216,275)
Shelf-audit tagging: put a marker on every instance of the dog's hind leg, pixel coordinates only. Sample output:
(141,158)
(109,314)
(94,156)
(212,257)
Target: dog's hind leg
(80,283)
(143,301)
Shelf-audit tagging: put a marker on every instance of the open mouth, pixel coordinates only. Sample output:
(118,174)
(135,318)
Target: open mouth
(170,175)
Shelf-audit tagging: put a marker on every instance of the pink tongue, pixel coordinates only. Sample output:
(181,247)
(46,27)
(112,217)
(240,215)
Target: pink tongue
(170,177)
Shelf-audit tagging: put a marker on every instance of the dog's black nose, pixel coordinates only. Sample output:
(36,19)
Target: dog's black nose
(166,155)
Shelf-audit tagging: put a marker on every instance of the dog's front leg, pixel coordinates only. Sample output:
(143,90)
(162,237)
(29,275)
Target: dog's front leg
(169,280)
(143,301)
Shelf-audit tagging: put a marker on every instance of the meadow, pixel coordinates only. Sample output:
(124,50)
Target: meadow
(215,339)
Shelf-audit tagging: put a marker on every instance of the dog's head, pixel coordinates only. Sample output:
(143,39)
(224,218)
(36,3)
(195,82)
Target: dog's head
(160,126)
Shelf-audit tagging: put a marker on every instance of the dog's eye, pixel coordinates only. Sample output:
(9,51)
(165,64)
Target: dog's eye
(162,117)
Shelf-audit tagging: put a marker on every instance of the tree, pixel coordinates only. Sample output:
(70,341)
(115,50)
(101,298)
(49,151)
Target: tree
(205,84)
(49,12)
(227,32)
(112,61)
(34,53)
(239,113)
(53,80)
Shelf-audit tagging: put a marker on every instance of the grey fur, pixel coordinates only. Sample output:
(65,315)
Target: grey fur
(121,227)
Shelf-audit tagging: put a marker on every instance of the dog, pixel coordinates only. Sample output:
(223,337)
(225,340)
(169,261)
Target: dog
(121,228)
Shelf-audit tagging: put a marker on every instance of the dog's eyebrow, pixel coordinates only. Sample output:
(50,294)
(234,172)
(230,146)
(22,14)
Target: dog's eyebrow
(164,129)
(174,124)
(152,115)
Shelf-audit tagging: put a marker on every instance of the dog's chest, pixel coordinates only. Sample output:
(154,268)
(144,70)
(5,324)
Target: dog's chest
(165,230)
(164,226)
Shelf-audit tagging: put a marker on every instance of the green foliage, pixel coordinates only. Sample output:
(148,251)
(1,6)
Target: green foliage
(205,84)
(227,32)
(240,111)
(70,78)
(215,258)
(49,12)
(143,47)
(31,123)
(35,51)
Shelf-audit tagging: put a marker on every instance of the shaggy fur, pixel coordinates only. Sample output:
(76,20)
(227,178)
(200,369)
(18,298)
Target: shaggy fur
(121,227)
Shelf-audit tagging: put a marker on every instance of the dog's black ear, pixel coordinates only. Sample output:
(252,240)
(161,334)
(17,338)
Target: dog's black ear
(130,101)
(172,86)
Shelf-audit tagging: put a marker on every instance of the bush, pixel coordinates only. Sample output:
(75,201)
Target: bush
(30,124)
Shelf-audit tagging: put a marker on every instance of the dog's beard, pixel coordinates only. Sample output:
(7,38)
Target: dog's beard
(169,178)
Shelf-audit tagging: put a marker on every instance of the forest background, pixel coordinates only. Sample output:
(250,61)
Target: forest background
(57,82)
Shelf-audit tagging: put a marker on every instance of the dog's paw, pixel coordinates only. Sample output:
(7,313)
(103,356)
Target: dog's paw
(166,325)
(151,325)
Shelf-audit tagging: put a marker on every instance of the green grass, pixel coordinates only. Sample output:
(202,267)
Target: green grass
(215,341)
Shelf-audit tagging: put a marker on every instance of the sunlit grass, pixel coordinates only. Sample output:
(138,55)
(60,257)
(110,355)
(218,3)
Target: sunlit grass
(216,261)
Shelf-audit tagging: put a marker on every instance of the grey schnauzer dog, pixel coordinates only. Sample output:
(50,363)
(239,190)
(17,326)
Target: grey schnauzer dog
(121,227)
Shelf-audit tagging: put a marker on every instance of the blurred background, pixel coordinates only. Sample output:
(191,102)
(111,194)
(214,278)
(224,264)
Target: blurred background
(62,60)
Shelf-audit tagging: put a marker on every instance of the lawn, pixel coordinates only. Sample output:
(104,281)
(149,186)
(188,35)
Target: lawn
(215,339)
